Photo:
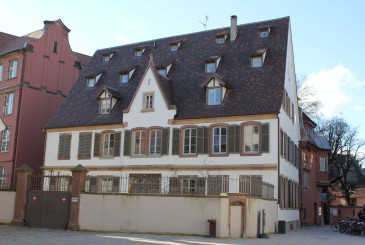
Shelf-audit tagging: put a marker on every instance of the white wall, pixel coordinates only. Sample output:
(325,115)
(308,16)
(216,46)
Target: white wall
(7,203)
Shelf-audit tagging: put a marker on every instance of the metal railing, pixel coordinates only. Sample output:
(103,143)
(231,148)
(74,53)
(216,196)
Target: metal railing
(50,183)
(5,181)
(181,185)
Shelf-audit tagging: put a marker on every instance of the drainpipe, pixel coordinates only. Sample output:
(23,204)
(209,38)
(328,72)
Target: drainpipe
(22,50)
(279,144)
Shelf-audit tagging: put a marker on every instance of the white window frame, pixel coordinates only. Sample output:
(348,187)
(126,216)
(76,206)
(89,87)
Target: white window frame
(257,61)
(212,97)
(155,142)
(108,144)
(9,102)
(1,72)
(251,138)
(13,65)
(323,163)
(148,101)
(138,142)
(5,138)
(189,146)
(91,81)
(124,78)
(219,140)
(105,105)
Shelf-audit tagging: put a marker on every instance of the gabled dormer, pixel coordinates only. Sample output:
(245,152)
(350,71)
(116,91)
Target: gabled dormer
(215,88)
(211,64)
(107,97)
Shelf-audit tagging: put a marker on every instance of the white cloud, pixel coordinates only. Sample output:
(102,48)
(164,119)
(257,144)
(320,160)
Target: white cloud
(357,108)
(130,24)
(333,87)
(123,39)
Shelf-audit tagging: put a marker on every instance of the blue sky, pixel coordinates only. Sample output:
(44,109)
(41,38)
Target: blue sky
(328,35)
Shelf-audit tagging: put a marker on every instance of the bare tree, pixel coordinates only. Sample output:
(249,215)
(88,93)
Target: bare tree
(344,156)
(307,97)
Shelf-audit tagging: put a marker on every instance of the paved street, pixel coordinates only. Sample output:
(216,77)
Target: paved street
(10,235)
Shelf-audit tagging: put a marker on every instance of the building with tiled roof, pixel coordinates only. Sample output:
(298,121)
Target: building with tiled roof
(37,71)
(218,106)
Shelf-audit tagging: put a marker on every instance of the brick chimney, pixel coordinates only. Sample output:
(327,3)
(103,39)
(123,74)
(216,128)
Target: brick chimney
(233,32)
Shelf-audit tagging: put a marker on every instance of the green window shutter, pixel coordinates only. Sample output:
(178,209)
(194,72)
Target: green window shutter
(117,144)
(238,139)
(64,146)
(265,143)
(61,146)
(67,146)
(281,142)
(285,146)
(175,141)
(97,144)
(200,140)
(232,139)
(127,143)
(84,146)
(165,141)
(88,145)
(206,140)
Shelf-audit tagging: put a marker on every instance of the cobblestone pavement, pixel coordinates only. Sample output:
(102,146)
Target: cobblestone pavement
(11,235)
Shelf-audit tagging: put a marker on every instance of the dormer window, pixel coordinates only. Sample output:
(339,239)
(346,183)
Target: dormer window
(220,38)
(256,61)
(174,46)
(264,31)
(124,78)
(258,58)
(162,71)
(105,105)
(107,57)
(210,67)
(90,82)
(215,89)
(214,95)
(138,52)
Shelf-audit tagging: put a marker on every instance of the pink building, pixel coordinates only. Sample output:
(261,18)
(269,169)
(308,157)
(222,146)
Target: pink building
(37,71)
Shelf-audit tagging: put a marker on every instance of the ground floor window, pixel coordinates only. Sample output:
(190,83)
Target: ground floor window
(144,183)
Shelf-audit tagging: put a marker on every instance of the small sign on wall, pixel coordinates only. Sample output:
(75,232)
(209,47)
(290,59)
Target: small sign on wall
(74,199)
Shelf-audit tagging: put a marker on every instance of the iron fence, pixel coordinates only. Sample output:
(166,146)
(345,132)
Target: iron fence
(50,183)
(181,185)
(5,181)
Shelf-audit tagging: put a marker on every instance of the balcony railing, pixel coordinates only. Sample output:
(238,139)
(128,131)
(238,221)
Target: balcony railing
(152,184)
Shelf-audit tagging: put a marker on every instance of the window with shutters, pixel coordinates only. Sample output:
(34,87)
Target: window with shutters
(13,65)
(153,141)
(84,151)
(8,105)
(251,185)
(107,144)
(218,184)
(255,138)
(64,147)
(190,141)
(219,140)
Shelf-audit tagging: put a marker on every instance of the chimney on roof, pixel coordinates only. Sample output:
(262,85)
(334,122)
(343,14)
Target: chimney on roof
(233,32)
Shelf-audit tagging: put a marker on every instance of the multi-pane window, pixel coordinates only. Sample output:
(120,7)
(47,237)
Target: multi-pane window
(210,67)
(219,140)
(2,178)
(105,106)
(148,101)
(251,139)
(124,78)
(323,162)
(1,72)
(64,146)
(5,138)
(139,137)
(256,61)
(214,96)
(13,68)
(155,138)
(8,105)
(90,82)
(108,144)
(218,184)
(190,146)
(145,183)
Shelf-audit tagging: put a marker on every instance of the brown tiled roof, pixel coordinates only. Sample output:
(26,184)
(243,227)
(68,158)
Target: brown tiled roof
(252,90)
(83,58)
(10,43)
